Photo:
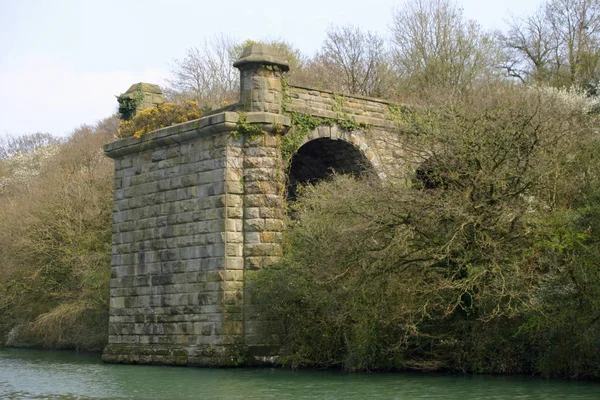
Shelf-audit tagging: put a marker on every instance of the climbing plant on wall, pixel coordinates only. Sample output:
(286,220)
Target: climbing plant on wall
(129,102)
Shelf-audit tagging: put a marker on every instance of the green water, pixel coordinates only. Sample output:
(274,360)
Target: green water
(33,374)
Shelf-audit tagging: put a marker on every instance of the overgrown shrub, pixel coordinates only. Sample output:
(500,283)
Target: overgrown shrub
(487,262)
(163,115)
(55,236)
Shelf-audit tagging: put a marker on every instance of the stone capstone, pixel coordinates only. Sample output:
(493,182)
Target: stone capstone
(259,53)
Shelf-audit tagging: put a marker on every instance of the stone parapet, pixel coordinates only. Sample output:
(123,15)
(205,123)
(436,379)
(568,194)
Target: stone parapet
(331,105)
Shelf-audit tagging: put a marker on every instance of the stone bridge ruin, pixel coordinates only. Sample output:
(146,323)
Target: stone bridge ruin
(198,204)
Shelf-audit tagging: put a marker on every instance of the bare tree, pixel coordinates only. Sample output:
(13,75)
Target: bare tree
(10,146)
(206,74)
(576,23)
(354,61)
(558,45)
(530,48)
(435,47)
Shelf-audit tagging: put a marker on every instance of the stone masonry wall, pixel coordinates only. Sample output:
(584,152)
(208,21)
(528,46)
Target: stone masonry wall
(177,264)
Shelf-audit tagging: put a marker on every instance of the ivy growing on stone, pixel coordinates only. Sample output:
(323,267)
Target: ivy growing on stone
(304,123)
(247,129)
(128,103)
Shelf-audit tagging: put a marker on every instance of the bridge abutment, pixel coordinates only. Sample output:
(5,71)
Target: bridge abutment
(195,206)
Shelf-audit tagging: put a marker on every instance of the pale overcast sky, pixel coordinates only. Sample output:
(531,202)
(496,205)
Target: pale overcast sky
(63,61)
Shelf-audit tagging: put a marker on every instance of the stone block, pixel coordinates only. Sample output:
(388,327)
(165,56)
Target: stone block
(252,237)
(263,200)
(159,155)
(235,263)
(262,249)
(233,225)
(236,187)
(254,225)
(263,187)
(234,250)
(235,212)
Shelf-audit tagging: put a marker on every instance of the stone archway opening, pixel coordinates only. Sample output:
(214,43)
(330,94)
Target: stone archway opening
(321,158)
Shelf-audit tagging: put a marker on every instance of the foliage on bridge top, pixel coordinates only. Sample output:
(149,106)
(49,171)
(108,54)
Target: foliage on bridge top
(161,116)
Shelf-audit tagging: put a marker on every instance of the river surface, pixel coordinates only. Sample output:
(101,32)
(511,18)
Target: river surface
(36,374)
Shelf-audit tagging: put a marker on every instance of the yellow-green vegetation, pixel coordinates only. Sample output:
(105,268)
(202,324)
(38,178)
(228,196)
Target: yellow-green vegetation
(487,262)
(55,235)
(161,116)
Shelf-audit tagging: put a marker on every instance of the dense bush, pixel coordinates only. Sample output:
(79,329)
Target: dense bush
(55,230)
(486,262)
(163,115)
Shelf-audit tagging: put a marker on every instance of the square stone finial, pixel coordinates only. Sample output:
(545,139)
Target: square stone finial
(139,96)
(259,53)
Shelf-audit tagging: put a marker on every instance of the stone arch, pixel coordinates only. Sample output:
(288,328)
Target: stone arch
(329,149)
